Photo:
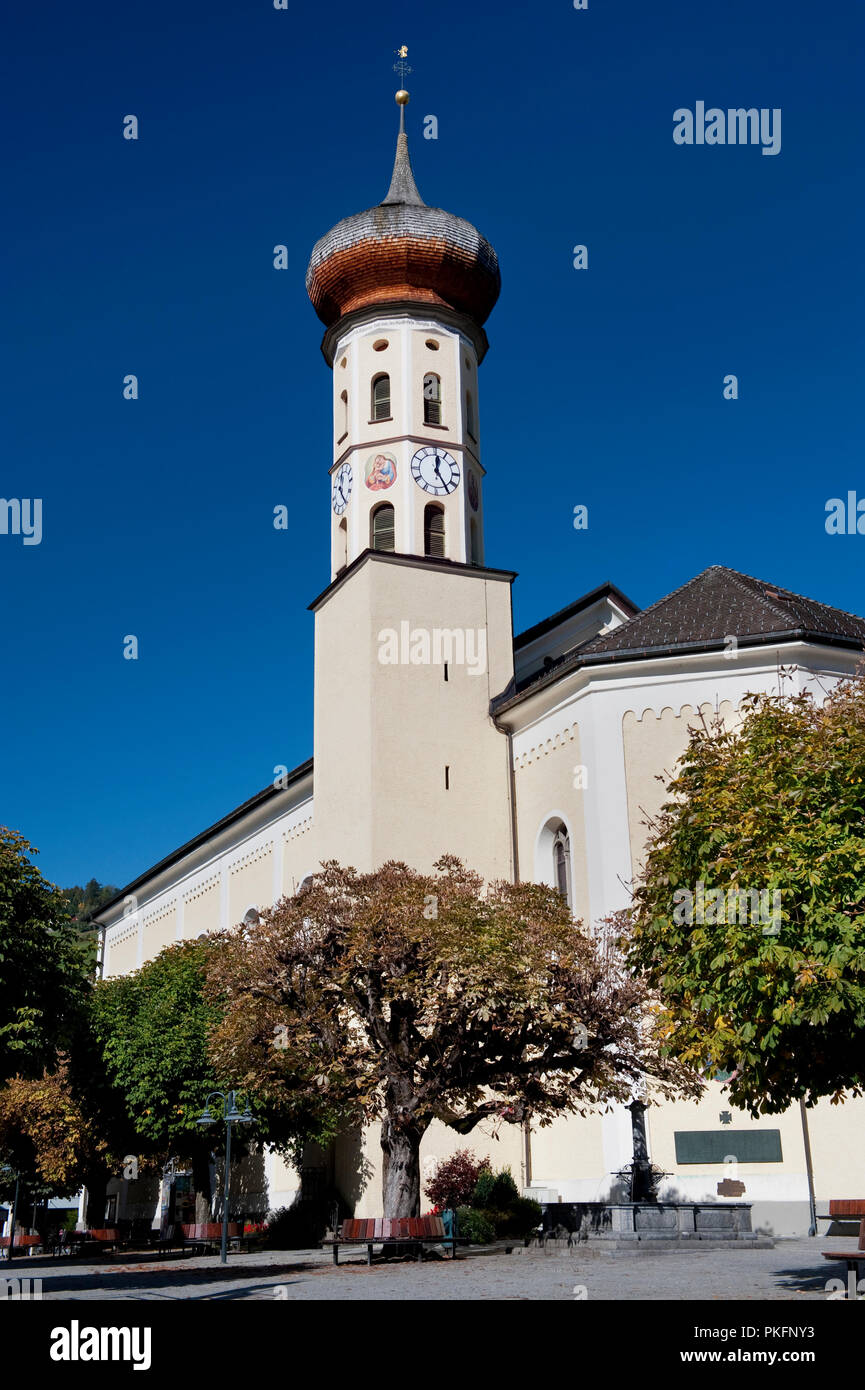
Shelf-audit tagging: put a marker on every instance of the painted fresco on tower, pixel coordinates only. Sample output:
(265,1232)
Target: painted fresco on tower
(380,472)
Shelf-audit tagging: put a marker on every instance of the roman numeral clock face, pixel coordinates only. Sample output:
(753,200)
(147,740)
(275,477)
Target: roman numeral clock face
(341,489)
(435,471)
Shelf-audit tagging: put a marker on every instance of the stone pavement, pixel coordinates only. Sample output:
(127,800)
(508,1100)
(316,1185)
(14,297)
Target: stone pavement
(793,1270)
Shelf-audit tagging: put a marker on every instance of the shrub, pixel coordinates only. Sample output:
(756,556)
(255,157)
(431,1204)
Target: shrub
(522,1217)
(455,1179)
(497,1191)
(298,1227)
(475,1226)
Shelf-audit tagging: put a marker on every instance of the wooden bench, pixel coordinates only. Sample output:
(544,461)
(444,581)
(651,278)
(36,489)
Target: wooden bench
(204,1234)
(21,1242)
(849,1209)
(397,1230)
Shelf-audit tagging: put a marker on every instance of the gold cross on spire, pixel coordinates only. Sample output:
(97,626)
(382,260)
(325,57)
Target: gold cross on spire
(402,66)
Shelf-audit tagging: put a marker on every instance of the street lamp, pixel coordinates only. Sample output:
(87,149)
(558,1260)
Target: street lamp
(232,1116)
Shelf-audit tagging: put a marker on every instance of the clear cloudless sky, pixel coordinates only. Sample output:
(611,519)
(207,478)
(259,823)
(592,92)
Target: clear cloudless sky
(604,387)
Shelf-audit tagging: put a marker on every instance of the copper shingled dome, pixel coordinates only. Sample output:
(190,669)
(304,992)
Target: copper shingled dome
(402,250)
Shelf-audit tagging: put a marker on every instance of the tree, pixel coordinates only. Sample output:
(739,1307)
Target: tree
(43,971)
(82,903)
(405,998)
(151,1031)
(46,1137)
(771,987)
(453,1183)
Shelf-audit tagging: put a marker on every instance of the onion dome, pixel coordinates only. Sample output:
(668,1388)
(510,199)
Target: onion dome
(402,250)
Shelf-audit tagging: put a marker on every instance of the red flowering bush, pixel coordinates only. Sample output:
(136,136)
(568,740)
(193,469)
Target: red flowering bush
(455,1179)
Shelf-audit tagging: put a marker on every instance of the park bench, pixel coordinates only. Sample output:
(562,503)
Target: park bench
(22,1242)
(207,1234)
(849,1209)
(406,1231)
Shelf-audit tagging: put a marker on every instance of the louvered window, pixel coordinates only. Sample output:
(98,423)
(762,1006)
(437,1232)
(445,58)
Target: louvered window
(381,397)
(432,399)
(382,528)
(434,531)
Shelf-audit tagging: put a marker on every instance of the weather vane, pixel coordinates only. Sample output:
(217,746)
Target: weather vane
(402,66)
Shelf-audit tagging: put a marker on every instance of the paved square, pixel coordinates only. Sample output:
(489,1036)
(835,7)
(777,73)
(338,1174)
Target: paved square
(793,1270)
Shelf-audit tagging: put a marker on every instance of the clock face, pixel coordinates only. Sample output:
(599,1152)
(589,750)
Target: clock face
(435,471)
(341,488)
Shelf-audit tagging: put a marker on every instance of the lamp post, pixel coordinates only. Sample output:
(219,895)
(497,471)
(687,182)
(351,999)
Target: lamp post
(232,1116)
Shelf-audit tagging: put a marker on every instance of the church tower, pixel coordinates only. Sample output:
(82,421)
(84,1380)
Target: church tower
(413,634)
(404,290)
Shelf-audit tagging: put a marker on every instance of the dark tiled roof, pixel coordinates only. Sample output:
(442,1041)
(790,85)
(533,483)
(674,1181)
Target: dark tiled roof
(700,616)
(720,603)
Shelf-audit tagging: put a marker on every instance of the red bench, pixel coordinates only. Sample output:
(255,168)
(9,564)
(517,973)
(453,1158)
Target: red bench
(849,1209)
(392,1230)
(207,1233)
(21,1242)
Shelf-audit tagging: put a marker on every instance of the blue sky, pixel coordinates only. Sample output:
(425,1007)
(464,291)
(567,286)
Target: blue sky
(602,387)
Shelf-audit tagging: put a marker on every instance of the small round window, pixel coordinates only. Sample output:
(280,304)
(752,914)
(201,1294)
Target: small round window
(344,362)
(379,345)
(432,345)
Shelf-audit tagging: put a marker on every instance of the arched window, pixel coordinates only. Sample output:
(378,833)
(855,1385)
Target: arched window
(342,546)
(251,917)
(432,399)
(562,863)
(553,858)
(434,530)
(381,528)
(381,397)
(344,430)
(470,416)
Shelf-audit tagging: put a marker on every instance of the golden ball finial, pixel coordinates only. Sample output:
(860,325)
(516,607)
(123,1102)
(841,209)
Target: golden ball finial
(401,97)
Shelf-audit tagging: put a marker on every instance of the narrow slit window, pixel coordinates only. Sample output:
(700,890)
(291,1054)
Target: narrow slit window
(447,777)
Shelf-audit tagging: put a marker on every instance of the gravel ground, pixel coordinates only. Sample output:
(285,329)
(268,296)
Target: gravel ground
(793,1270)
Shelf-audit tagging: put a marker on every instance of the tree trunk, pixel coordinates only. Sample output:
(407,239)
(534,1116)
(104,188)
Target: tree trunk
(96,1182)
(202,1185)
(400,1145)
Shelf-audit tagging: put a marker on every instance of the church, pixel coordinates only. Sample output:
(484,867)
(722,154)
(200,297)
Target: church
(537,756)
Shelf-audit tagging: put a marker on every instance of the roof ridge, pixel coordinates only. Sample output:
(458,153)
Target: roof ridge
(737,577)
(780,589)
(644,612)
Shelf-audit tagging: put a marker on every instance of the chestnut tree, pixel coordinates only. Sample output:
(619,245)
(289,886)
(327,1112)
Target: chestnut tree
(404,998)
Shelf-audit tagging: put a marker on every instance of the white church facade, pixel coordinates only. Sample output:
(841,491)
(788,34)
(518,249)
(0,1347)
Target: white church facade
(531,757)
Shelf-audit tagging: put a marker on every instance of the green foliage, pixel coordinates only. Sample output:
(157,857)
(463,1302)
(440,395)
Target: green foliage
(777,803)
(43,970)
(475,1226)
(498,1191)
(519,1219)
(152,1029)
(298,1227)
